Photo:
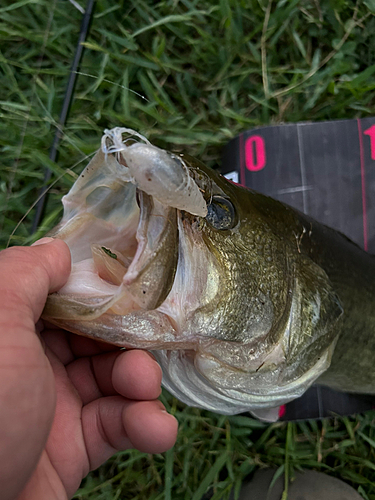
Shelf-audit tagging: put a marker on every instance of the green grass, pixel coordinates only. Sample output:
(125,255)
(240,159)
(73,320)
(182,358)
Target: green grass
(189,75)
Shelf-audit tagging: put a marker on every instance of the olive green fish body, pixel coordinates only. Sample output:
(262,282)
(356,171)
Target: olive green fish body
(351,271)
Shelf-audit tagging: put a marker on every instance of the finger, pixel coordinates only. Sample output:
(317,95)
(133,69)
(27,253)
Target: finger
(149,427)
(89,386)
(69,346)
(83,346)
(109,426)
(137,375)
(57,341)
(133,374)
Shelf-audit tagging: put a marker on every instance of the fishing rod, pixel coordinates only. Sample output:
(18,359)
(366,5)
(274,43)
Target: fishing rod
(68,98)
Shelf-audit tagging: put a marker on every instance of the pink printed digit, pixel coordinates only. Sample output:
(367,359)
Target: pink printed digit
(255,153)
(371,133)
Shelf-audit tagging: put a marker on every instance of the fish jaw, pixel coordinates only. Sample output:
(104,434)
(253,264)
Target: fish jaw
(196,380)
(123,239)
(169,325)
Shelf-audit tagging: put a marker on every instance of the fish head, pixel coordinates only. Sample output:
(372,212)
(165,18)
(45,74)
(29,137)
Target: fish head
(170,256)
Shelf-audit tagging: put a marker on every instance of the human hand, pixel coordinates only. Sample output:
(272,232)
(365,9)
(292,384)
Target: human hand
(67,403)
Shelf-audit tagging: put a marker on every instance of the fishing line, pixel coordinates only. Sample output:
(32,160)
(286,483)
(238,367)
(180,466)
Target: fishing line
(85,25)
(56,124)
(44,193)
(114,84)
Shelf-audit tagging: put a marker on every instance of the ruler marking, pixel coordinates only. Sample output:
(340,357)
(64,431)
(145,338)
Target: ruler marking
(363,183)
(302,168)
(242,163)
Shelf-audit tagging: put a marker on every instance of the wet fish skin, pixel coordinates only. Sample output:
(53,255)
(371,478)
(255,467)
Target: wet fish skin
(351,272)
(263,298)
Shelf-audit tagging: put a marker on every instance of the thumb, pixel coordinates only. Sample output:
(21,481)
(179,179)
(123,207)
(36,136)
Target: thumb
(27,392)
(29,274)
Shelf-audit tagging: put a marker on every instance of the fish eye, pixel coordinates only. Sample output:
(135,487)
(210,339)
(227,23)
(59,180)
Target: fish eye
(221,213)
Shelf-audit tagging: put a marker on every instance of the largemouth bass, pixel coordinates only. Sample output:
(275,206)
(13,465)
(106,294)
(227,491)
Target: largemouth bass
(244,301)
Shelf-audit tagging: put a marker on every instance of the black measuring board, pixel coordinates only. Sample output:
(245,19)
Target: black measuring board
(326,170)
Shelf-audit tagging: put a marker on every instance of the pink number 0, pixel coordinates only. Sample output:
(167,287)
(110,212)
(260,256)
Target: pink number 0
(371,132)
(255,153)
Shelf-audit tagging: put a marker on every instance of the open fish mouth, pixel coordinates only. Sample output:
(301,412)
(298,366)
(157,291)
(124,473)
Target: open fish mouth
(120,222)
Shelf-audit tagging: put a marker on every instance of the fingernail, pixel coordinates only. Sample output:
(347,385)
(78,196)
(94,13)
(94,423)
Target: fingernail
(42,241)
(169,415)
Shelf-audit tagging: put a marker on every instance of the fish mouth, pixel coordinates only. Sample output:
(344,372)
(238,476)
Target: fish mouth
(121,224)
